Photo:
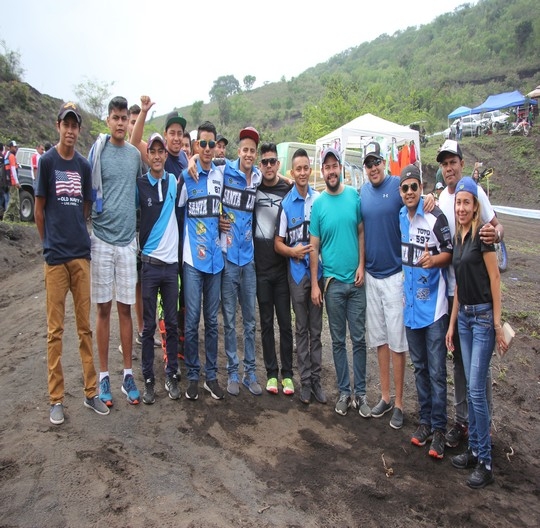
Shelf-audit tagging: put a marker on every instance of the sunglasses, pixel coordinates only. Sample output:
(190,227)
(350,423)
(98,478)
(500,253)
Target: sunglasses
(413,186)
(203,143)
(267,161)
(375,163)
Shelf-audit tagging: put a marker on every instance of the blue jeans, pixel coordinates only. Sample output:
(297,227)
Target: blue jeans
(164,279)
(346,303)
(477,338)
(427,348)
(205,287)
(239,283)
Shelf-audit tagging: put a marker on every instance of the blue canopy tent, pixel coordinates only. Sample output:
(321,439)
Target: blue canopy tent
(502,100)
(459,112)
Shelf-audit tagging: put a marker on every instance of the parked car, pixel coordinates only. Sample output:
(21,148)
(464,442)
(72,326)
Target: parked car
(26,192)
(496,119)
(471,125)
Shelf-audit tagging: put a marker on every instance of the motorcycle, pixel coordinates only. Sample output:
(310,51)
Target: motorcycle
(520,127)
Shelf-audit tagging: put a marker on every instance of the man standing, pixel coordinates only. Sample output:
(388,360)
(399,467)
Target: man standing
(426,248)
(451,161)
(221,145)
(63,202)
(159,255)
(271,267)
(337,233)
(116,165)
(13,211)
(292,241)
(35,161)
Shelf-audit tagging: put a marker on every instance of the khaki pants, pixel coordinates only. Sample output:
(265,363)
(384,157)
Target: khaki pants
(13,212)
(71,276)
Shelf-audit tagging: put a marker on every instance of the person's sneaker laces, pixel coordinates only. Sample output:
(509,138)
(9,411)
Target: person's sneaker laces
(105,394)
(96,405)
(272,386)
(250,381)
(421,435)
(480,477)
(130,390)
(149,394)
(381,409)
(212,386)
(171,386)
(192,391)
(318,392)
(465,461)
(343,404)
(288,386)
(305,393)
(396,422)
(233,385)
(121,350)
(57,414)
(436,449)
(456,435)
(359,403)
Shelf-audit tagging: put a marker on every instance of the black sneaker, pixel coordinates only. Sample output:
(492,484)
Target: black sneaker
(305,394)
(214,389)
(480,477)
(171,386)
(465,460)
(192,392)
(456,435)
(436,449)
(317,392)
(421,435)
(149,394)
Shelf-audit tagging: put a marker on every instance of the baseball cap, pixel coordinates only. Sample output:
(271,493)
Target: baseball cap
(467,184)
(155,137)
(450,146)
(410,171)
(439,186)
(175,117)
(372,150)
(12,143)
(69,108)
(251,133)
(332,151)
(222,138)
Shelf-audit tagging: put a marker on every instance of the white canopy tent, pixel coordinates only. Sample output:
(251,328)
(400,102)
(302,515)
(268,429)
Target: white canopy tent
(360,131)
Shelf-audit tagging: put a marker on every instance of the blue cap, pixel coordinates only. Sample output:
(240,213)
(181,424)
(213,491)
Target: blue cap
(467,184)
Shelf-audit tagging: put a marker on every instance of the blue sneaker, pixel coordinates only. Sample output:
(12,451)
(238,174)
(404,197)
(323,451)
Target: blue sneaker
(130,390)
(105,391)
(250,382)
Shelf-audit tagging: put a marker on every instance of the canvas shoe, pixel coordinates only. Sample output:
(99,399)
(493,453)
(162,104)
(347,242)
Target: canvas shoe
(57,414)
(396,422)
(381,409)
(96,405)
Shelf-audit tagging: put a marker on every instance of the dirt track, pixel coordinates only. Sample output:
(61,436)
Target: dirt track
(251,461)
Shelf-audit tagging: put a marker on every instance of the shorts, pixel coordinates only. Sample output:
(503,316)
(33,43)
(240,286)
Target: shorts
(114,271)
(384,312)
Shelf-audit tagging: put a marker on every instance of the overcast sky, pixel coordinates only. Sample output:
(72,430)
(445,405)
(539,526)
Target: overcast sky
(175,50)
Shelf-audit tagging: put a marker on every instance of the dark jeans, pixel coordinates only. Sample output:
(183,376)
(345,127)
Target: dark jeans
(165,279)
(273,293)
(427,348)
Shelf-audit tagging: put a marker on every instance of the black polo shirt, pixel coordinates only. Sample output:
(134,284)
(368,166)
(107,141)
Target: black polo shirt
(472,277)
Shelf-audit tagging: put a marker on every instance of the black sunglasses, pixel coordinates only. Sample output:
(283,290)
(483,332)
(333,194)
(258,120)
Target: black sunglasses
(375,163)
(413,186)
(271,161)
(203,143)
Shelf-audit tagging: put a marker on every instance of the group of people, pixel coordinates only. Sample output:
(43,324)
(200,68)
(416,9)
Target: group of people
(206,232)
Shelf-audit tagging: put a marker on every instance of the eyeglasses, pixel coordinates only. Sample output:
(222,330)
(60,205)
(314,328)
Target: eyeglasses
(375,163)
(203,143)
(413,186)
(267,161)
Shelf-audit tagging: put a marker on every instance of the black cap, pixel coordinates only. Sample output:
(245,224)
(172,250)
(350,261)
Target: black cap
(12,143)
(410,171)
(175,117)
(372,150)
(222,138)
(69,108)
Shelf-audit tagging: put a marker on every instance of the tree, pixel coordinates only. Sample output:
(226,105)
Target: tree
(523,32)
(223,87)
(10,64)
(94,96)
(249,81)
(224,106)
(196,111)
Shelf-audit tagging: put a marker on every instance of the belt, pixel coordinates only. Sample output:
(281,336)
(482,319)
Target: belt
(153,261)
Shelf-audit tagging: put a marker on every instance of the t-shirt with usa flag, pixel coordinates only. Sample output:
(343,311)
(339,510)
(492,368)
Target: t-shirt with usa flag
(66,185)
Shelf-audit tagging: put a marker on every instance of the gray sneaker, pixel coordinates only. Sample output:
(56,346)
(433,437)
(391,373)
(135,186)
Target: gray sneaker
(343,404)
(96,405)
(171,386)
(233,385)
(396,422)
(250,381)
(359,403)
(381,409)
(57,414)
(133,354)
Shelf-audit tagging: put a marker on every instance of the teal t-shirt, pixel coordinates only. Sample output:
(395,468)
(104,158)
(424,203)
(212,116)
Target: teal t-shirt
(334,220)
